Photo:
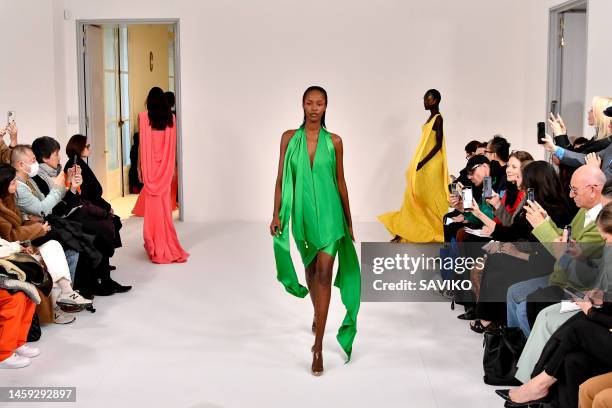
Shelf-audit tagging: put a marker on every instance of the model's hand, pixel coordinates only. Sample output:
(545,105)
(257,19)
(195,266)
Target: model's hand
(419,166)
(549,143)
(275,227)
(592,159)
(557,125)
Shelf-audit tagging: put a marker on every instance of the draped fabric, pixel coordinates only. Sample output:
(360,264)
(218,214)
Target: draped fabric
(310,198)
(426,197)
(157,159)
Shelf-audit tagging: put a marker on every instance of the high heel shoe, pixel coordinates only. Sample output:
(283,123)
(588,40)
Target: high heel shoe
(317,363)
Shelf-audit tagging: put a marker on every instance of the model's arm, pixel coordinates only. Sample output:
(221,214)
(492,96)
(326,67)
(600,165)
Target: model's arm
(438,127)
(275,226)
(342,189)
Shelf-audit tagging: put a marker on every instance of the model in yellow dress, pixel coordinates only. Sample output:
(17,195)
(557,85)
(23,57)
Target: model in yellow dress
(426,198)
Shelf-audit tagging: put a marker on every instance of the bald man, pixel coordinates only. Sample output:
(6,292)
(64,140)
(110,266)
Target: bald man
(585,189)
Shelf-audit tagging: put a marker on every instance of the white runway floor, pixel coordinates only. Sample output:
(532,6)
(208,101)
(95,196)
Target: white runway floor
(220,331)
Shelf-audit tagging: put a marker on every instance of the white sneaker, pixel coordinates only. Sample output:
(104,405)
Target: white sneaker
(61,317)
(73,299)
(27,351)
(15,361)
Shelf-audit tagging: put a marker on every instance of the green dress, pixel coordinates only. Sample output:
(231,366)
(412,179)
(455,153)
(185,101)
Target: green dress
(311,199)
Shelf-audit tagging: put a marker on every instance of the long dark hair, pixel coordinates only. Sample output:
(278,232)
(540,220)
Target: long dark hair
(306,92)
(7,174)
(160,114)
(542,177)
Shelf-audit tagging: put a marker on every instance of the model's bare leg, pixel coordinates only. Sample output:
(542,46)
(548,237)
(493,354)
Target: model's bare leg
(310,276)
(322,283)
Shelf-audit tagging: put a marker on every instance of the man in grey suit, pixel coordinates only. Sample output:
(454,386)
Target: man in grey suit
(575,159)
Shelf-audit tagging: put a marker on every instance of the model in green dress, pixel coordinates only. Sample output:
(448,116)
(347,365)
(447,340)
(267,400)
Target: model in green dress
(312,192)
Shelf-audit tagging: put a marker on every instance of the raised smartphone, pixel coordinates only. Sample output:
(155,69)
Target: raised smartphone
(541,132)
(10,117)
(531,194)
(467,198)
(487,187)
(554,108)
(569,232)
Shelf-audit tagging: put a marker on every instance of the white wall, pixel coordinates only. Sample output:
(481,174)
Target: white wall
(27,70)
(244,66)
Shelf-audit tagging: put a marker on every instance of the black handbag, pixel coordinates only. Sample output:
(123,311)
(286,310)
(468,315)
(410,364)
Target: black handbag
(502,350)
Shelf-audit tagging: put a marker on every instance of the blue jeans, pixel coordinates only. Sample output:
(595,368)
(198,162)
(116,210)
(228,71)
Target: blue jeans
(516,302)
(72,257)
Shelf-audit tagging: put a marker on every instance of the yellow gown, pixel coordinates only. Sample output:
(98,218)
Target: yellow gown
(426,198)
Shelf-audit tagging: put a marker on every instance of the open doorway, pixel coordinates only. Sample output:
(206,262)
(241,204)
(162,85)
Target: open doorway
(567,65)
(119,62)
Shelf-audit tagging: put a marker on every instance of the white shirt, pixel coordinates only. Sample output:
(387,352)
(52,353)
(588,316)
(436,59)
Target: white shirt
(591,215)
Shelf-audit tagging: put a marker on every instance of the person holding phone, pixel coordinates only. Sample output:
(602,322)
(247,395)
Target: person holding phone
(579,349)
(603,150)
(321,219)
(5,151)
(426,197)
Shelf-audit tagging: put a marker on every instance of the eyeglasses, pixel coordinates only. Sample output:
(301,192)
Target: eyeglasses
(575,190)
(87,146)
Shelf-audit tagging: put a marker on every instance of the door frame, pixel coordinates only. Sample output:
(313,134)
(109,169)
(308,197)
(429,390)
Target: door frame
(553,90)
(80,24)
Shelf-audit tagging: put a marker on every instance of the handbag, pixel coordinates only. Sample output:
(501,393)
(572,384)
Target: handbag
(502,350)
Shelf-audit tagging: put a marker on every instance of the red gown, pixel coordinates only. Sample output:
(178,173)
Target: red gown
(157,158)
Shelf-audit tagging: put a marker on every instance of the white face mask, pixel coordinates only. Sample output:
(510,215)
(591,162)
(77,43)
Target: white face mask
(34,167)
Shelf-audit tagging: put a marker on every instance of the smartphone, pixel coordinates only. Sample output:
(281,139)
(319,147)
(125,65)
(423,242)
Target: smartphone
(467,197)
(531,194)
(554,108)
(569,232)
(452,188)
(575,293)
(541,132)
(487,187)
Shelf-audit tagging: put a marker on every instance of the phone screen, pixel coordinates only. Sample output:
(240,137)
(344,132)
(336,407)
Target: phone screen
(554,107)
(467,198)
(487,187)
(531,194)
(541,132)
(10,117)
(569,232)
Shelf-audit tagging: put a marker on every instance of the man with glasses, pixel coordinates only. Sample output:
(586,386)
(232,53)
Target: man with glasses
(602,158)
(474,148)
(526,299)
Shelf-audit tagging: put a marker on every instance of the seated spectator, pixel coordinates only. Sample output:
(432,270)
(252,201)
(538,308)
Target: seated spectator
(596,118)
(578,350)
(574,159)
(13,228)
(16,311)
(515,256)
(596,392)
(91,189)
(526,299)
(472,149)
(5,151)
(547,321)
(93,275)
(498,152)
